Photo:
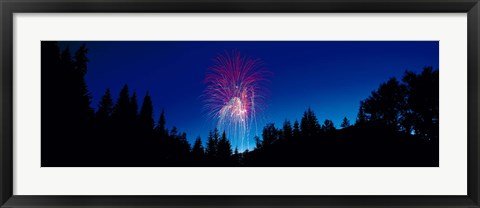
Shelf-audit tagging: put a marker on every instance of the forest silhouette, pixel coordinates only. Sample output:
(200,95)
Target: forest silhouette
(396,126)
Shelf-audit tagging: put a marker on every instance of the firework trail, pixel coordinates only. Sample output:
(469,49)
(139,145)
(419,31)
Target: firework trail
(234,94)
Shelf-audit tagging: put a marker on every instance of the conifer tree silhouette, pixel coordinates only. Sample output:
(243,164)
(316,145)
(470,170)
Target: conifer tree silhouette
(212,145)
(160,128)
(145,118)
(309,125)
(345,123)
(296,130)
(105,108)
(224,149)
(269,134)
(287,130)
(198,152)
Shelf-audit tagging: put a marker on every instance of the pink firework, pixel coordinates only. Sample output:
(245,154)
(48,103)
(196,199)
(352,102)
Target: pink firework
(234,93)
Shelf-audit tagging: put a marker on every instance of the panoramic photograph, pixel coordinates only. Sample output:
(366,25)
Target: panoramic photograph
(240,104)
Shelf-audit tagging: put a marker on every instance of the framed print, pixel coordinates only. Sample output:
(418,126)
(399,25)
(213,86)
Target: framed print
(239,104)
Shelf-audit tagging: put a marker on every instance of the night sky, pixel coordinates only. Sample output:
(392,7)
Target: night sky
(331,77)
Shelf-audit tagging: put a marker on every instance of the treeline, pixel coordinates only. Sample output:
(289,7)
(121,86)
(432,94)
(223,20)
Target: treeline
(118,133)
(410,106)
(396,126)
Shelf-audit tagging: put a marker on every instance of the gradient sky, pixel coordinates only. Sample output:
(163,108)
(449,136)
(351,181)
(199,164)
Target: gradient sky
(331,77)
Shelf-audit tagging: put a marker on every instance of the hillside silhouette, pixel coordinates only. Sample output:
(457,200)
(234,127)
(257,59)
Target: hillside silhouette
(396,126)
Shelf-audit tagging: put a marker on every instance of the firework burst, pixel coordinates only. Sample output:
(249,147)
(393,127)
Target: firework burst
(234,95)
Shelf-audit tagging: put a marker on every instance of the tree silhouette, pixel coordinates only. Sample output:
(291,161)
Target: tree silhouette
(296,130)
(387,104)
(423,99)
(309,125)
(103,121)
(173,131)
(123,129)
(328,126)
(145,118)
(105,107)
(67,115)
(181,147)
(133,108)
(66,61)
(287,132)
(212,144)
(237,158)
(53,125)
(122,107)
(269,134)
(80,92)
(224,150)
(258,142)
(345,123)
(198,152)
(160,128)
(361,116)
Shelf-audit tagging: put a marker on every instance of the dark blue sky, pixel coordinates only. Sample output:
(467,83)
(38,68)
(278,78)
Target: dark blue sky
(331,77)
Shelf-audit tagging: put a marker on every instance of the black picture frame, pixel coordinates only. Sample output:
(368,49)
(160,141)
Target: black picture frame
(9,7)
